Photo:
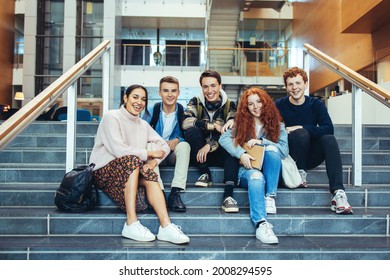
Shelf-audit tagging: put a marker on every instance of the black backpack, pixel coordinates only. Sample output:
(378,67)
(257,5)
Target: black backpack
(76,193)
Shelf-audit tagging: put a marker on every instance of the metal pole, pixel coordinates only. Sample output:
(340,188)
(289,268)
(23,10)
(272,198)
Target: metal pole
(306,67)
(106,81)
(71,127)
(357,136)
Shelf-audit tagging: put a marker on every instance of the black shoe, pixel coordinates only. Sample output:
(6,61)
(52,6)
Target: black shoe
(175,204)
(203,181)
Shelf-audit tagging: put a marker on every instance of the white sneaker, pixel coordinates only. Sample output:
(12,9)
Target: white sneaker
(270,206)
(137,232)
(265,233)
(340,203)
(303,177)
(172,233)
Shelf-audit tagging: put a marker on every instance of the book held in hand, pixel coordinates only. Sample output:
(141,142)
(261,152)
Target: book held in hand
(257,151)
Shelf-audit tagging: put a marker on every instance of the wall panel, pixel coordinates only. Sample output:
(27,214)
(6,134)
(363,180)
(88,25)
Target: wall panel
(6,50)
(319,24)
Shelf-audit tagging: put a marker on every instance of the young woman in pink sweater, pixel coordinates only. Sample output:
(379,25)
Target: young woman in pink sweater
(123,163)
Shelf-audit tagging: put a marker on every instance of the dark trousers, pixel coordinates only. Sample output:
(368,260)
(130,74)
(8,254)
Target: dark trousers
(310,152)
(221,158)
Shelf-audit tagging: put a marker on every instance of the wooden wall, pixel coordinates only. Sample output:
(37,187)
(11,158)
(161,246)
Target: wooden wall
(319,23)
(6,49)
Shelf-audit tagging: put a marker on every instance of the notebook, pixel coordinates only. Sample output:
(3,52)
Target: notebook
(257,151)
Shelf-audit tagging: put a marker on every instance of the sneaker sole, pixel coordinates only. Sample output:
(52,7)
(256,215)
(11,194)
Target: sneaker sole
(271,212)
(204,185)
(269,242)
(140,240)
(345,211)
(230,210)
(179,242)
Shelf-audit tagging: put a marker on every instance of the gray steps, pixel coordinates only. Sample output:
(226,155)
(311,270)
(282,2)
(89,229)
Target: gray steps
(31,227)
(42,195)
(195,222)
(210,248)
(42,173)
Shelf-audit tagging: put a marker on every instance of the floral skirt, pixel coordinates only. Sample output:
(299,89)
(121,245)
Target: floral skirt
(111,179)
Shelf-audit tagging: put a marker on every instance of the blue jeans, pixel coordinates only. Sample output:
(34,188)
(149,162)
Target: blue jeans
(260,184)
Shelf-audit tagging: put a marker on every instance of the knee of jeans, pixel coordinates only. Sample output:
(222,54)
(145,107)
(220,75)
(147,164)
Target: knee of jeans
(271,148)
(256,175)
(272,153)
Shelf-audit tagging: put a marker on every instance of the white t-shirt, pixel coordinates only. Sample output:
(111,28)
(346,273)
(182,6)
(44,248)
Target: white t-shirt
(169,122)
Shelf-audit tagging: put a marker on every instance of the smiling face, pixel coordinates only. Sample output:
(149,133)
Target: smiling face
(295,87)
(254,105)
(135,102)
(211,89)
(169,93)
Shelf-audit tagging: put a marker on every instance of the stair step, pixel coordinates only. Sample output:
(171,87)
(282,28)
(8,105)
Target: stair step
(35,173)
(42,195)
(58,155)
(31,227)
(195,222)
(200,248)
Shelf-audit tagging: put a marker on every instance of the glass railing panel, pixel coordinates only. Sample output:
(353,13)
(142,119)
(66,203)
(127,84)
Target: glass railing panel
(162,55)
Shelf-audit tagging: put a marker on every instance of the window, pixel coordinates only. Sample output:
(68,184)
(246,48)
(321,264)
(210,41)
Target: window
(136,52)
(182,53)
(50,33)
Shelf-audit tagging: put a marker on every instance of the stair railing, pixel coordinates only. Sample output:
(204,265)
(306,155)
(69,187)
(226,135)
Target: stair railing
(13,126)
(360,84)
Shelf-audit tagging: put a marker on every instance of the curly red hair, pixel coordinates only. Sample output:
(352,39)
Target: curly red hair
(244,125)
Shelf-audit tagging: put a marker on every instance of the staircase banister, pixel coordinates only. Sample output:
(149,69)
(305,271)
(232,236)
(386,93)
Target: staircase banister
(365,84)
(246,49)
(10,128)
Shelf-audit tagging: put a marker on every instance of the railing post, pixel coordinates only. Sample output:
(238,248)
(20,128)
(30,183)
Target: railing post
(357,136)
(71,127)
(306,67)
(106,81)
(143,55)
(124,55)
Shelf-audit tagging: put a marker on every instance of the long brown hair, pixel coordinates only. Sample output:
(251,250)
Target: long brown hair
(244,124)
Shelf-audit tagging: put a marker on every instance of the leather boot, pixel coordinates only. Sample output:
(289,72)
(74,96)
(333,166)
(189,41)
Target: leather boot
(174,202)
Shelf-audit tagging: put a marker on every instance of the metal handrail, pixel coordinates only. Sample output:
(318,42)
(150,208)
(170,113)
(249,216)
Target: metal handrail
(11,128)
(360,84)
(376,91)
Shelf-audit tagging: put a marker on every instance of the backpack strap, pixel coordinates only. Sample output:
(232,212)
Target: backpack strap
(156,114)
(180,112)
(199,109)
(227,108)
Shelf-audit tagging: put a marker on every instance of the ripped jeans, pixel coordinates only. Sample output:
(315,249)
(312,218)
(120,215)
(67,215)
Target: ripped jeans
(261,183)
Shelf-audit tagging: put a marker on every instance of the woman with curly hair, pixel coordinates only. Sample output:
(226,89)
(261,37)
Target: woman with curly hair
(258,121)
(123,163)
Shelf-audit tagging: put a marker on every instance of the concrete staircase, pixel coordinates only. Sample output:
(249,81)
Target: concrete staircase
(31,227)
(222,34)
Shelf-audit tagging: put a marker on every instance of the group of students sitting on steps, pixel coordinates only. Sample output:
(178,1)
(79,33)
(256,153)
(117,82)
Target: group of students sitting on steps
(211,131)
